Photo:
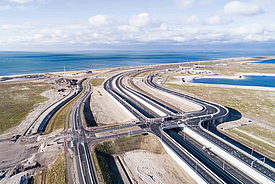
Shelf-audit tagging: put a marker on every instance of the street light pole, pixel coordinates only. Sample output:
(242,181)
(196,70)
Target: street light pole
(223,164)
(252,149)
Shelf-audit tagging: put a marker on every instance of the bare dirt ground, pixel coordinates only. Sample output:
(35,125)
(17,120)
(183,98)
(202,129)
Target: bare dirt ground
(237,123)
(105,109)
(148,167)
(27,157)
(175,103)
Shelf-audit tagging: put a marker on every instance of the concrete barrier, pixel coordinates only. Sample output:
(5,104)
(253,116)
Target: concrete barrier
(226,155)
(159,112)
(183,164)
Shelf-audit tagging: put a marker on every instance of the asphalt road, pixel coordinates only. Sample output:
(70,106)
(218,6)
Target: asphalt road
(209,110)
(85,167)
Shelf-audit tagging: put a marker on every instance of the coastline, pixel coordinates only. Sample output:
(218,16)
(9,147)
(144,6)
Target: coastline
(23,77)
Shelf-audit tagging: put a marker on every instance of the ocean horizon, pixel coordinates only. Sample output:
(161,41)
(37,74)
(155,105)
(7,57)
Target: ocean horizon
(23,63)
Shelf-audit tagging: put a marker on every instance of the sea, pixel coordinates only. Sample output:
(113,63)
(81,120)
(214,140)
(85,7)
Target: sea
(21,63)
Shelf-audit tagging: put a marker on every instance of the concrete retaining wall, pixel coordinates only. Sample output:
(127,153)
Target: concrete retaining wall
(183,164)
(232,159)
(159,112)
(123,108)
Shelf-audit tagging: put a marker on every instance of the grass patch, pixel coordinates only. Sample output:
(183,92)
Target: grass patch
(142,74)
(58,173)
(262,132)
(97,167)
(59,119)
(99,93)
(256,104)
(103,153)
(249,140)
(234,68)
(144,142)
(250,103)
(97,82)
(17,101)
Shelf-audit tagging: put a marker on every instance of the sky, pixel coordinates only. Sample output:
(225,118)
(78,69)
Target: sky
(31,25)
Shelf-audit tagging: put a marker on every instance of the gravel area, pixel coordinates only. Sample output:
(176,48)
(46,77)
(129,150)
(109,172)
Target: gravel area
(148,167)
(105,109)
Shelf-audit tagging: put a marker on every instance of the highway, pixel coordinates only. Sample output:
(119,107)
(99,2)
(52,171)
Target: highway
(217,111)
(150,111)
(207,174)
(209,111)
(85,168)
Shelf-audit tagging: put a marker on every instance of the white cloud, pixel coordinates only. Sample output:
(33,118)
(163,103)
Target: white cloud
(179,39)
(99,20)
(5,7)
(140,29)
(216,20)
(20,1)
(9,26)
(206,2)
(43,1)
(142,20)
(128,28)
(22,7)
(242,8)
(185,4)
(191,20)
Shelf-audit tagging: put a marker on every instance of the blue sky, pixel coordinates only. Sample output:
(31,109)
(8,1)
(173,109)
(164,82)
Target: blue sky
(126,24)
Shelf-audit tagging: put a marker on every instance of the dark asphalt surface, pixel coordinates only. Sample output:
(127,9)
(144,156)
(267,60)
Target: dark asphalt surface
(208,108)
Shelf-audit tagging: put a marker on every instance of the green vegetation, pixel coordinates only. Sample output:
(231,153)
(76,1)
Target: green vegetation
(97,82)
(5,78)
(17,101)
(235,68)
(106,162)
(256,104)
(59,119)
(144,142)
(99,93)
(142,74)
(58,173)
(103,153)
(248,134)
(250,103)
(249,140)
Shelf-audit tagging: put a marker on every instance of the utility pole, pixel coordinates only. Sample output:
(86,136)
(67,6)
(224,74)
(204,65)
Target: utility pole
(184,135)
(252,149)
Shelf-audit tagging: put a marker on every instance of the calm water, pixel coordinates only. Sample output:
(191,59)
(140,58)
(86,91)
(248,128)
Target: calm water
(269,61)
(263,81)
(17,63)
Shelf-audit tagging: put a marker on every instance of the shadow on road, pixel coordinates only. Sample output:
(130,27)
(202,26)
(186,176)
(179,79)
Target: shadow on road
(233,115)
(88,113)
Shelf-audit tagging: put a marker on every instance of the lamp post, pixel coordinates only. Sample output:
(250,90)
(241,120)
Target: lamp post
(252,149)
